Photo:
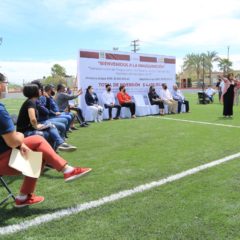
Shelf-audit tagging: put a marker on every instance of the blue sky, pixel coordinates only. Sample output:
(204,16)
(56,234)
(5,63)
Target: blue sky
(37,34)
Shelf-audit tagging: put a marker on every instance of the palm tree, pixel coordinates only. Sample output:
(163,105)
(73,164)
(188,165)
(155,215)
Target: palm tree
(193,62)
(209,58)
(224,65)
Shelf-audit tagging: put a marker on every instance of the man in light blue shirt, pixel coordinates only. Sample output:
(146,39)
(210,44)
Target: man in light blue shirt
(179,97)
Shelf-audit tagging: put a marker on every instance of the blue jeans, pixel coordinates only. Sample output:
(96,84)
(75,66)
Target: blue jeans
(66,116)
(60,127)
(51,134)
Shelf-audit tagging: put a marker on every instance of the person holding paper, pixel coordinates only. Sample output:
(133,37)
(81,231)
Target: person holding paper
(10,139)
(27,121)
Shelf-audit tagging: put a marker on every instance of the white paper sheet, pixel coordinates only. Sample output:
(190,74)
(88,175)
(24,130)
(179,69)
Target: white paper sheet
(30,167)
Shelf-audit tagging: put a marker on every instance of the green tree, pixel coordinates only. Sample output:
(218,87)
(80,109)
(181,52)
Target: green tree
(193,63)
(54,80)
(224,65)
(209,59)
(58,76)
(58,70)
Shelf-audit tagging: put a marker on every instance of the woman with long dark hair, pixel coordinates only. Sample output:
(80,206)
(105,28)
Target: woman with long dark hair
(228,94)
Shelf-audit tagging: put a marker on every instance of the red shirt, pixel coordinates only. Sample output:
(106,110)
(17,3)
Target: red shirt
(123,97)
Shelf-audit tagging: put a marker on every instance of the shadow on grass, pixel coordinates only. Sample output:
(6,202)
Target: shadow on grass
(19,214)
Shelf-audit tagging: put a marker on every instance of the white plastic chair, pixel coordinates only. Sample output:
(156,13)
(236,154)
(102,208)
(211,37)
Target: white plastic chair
(125,112)
(154,109)
(105,110)
(141,108)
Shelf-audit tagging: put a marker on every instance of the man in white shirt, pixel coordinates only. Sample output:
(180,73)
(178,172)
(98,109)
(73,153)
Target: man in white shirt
(110,103)
(210,92)
(167,98)
(179,97)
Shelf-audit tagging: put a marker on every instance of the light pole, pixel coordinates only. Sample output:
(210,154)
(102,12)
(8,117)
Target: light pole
(228,47)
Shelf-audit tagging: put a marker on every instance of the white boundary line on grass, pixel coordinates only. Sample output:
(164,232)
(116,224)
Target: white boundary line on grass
(108,199)
(199,122)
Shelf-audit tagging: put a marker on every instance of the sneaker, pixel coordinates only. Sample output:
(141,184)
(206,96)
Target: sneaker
(31,200)
(76,173)
(66,147)
(86,123)
(83,125)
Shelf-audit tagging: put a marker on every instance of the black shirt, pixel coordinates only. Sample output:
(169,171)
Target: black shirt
(151,96)
(23,122)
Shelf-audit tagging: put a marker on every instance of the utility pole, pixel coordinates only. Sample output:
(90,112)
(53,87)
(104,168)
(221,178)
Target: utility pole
(135,44)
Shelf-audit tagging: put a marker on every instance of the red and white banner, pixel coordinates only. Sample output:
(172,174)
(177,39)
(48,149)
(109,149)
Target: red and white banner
(136,71)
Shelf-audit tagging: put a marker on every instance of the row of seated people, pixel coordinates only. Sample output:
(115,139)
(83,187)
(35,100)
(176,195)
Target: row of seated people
(173,101)
(42,114)
(25,140)
(51,117)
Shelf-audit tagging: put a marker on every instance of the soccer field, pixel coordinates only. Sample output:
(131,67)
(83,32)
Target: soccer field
(130,152)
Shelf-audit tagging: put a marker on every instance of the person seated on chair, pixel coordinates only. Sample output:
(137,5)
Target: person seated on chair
(62,99)
(92,101)
(155,99)
(28,125)
(110,103)
(126,101)
(9,139)
(54,111)
(43,113)
(210,92)
(167,98)
(179,97)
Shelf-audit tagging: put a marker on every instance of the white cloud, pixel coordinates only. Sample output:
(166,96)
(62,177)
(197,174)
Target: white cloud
(19,71)
(155,20)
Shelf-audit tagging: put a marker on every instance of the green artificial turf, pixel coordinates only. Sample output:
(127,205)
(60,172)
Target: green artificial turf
(130,152)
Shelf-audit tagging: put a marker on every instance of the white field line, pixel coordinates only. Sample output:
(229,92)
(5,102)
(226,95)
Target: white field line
(108,199)
(199,122)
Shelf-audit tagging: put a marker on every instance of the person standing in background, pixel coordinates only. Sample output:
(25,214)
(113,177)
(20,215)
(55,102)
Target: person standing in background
(228,94)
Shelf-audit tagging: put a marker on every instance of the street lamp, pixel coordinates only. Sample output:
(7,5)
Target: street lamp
(228,47)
